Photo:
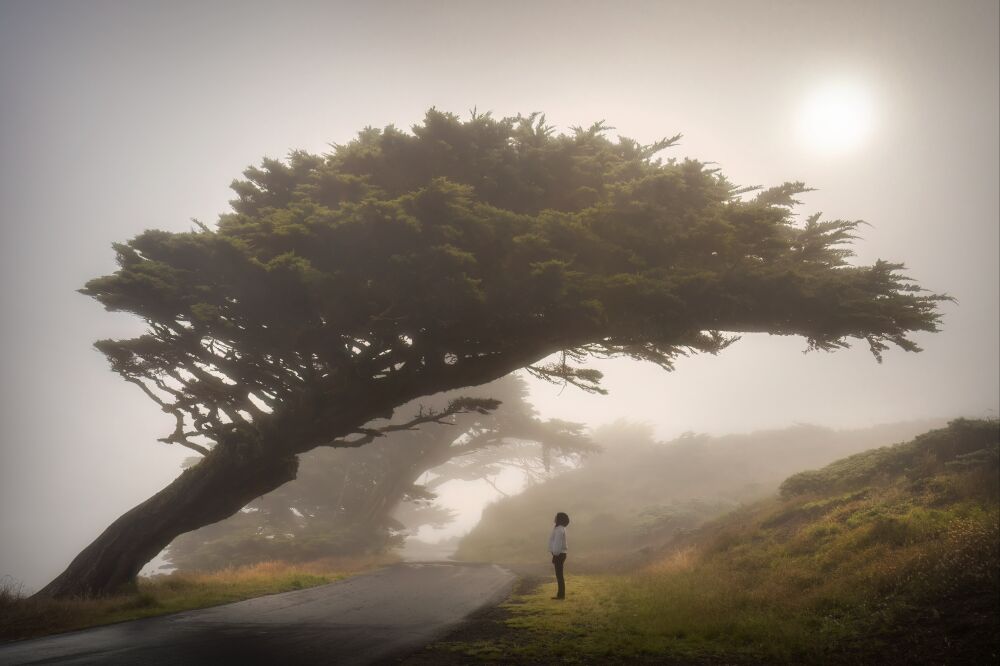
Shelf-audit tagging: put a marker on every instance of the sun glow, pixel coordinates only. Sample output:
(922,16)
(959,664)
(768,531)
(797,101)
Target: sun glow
(836,118)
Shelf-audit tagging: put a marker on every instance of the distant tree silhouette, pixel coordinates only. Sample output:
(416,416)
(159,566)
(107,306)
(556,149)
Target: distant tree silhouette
(404,264)
(344,501)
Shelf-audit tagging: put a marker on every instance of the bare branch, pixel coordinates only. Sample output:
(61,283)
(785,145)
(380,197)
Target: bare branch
(457,406)
(494,486)
(178,436)
(145,389)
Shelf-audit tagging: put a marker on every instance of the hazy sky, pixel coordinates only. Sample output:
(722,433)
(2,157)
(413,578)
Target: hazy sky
(121,116)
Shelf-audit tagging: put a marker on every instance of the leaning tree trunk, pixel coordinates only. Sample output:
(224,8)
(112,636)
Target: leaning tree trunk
(235,473)
(224,482)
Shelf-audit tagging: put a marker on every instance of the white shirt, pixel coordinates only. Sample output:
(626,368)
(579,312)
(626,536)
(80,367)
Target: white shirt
(557,541)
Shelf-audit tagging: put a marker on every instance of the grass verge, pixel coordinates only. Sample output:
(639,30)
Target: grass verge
(26,617)
(696,613)
(602,621)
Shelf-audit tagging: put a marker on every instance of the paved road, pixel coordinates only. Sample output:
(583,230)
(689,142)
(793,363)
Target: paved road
(367,619)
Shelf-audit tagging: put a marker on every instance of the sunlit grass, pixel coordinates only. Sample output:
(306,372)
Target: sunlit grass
(683,614)
(893,552)
(772,600)
(26,617)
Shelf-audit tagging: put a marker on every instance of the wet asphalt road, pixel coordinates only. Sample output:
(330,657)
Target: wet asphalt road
(369,619)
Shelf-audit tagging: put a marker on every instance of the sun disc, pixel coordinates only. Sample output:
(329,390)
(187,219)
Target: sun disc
(836,118)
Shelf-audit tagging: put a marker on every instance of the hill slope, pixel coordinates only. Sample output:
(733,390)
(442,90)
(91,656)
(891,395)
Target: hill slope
(888,556)
(639,493)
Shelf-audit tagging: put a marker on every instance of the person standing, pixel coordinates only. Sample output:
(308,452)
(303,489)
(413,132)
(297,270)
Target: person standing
(557,546)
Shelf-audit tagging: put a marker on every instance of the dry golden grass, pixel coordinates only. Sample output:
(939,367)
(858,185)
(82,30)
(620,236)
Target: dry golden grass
(683,559)
(27,617)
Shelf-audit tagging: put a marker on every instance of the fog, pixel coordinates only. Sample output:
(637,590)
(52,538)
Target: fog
(118,117)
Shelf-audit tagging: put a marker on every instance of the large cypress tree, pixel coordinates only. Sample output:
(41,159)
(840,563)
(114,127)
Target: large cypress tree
(403,264)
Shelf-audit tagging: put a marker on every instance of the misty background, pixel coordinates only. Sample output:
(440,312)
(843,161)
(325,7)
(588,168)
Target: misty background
(116,117)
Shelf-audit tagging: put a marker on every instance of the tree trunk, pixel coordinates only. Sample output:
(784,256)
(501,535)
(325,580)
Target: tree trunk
(235,473)
(217,487)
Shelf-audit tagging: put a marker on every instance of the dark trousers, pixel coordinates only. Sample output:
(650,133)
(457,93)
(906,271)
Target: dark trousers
(559,561)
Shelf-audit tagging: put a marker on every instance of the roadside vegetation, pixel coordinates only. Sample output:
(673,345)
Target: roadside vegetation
(887,556)
(27,617)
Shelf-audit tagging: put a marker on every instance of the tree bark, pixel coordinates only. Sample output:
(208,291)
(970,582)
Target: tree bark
(220,485)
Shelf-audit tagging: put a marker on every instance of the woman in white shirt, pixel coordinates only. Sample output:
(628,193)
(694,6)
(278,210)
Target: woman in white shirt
(557,546)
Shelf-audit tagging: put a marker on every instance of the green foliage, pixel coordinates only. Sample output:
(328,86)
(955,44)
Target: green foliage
(343,285)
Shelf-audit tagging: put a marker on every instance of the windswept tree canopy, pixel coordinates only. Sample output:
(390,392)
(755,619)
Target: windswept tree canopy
(406,264)
(402,264)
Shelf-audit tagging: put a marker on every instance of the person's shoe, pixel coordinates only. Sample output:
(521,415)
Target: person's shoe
(559,598)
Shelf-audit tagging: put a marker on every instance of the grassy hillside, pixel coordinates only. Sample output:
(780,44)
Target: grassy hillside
(639,494)
(888,556)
